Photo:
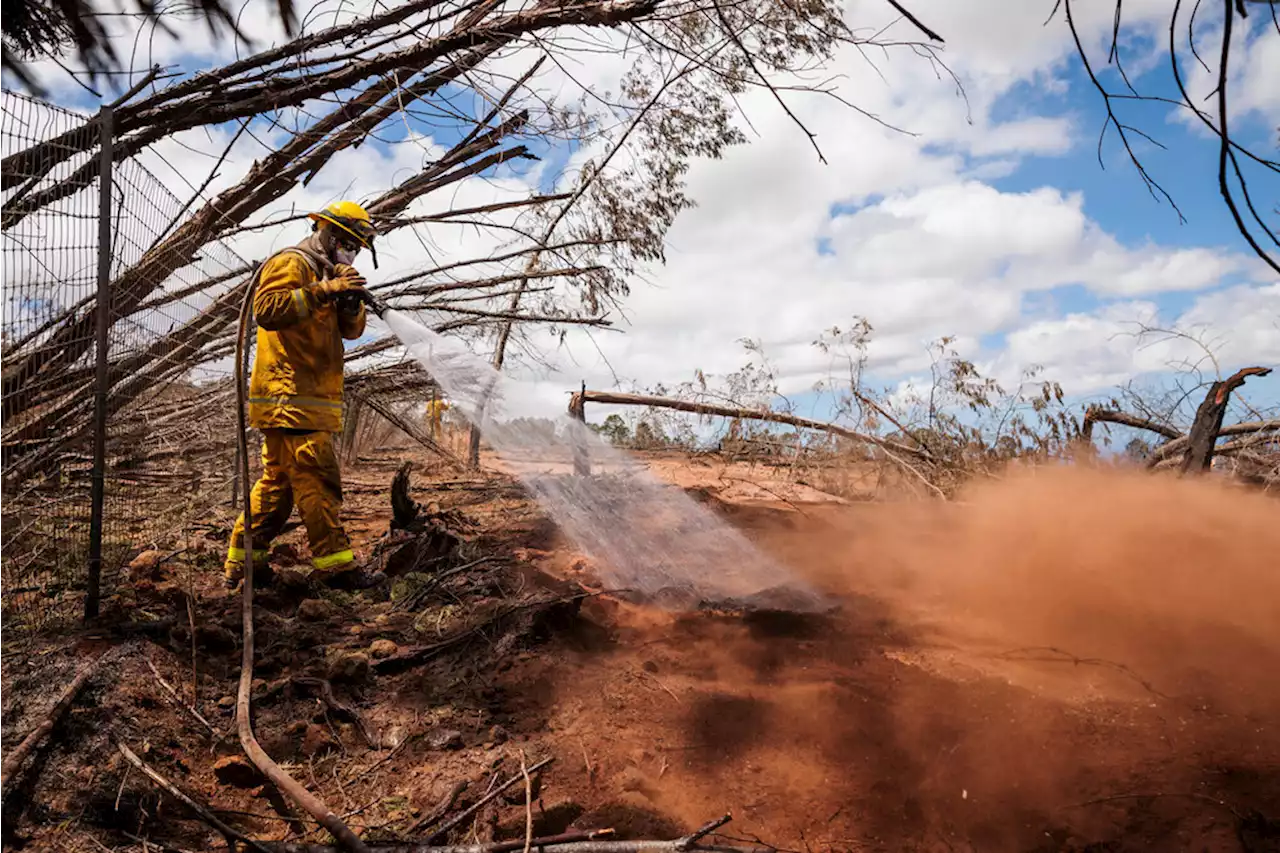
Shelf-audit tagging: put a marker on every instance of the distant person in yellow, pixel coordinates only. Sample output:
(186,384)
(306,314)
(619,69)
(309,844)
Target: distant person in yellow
(309,298)
(435,409)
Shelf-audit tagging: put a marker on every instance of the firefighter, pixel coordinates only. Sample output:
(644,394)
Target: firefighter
(309,298)
(435,410)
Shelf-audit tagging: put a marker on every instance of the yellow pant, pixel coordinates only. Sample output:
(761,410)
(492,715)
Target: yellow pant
(301,469)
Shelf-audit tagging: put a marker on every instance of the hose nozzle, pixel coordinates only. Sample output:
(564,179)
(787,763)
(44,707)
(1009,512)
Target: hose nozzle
(372,303)
(351,297)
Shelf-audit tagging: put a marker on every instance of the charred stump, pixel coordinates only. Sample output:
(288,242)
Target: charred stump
(1203,435)
(422,537)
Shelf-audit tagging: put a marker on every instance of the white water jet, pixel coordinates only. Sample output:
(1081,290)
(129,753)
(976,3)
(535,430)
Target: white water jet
(646,537)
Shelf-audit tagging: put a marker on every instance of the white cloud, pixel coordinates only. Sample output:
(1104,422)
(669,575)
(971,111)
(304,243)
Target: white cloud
(922,248)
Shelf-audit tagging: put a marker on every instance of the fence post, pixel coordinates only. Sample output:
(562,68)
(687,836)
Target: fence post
(106,159)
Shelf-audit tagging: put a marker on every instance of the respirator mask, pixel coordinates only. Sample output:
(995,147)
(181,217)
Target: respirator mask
(345,255)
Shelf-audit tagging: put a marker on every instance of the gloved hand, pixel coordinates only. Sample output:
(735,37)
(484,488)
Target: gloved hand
(345,281)
(349,303)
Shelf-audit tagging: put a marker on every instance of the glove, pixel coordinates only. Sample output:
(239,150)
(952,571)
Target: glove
(345,281)
(349,303)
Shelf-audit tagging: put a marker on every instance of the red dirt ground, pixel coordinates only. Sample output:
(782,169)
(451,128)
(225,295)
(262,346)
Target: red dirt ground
(1064,660)
(998,669)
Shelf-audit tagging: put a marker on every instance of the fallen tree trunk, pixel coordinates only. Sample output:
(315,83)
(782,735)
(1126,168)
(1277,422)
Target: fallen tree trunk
(19,753)
(617,399)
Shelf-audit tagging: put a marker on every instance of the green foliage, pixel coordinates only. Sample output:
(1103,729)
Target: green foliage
(614,430)
(649,436)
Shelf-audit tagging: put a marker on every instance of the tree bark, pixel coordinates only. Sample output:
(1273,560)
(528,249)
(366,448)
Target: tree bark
(1096,414)
(1208,423)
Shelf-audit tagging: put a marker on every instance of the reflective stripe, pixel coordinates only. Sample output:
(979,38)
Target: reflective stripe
(236,555)
(338,559)
(301,402)
(300,303)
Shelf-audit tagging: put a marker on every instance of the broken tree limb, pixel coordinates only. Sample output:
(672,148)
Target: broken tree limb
(619,399)
(444,807)
(1097,414)
(1208,423)
(1178,445)
(19,753)
(411,429)
(230,833)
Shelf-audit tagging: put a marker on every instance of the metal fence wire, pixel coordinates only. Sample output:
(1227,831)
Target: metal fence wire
(166,359)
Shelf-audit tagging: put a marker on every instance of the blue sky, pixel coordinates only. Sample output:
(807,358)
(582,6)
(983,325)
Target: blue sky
(1115,196)
(763,255)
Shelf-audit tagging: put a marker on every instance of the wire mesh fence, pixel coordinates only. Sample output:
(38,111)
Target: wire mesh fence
(163,386)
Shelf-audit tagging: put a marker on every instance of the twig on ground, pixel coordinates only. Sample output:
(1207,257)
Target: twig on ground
(19,753)
(230,833)
(485,800)
(411,602)
(386,758)
(705,830)
(337,705)
(441,810)
(213,730)
(416,657)
(528,804)
(167,848)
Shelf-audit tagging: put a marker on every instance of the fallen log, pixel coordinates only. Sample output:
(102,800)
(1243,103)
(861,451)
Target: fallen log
(19,753)
(618,399)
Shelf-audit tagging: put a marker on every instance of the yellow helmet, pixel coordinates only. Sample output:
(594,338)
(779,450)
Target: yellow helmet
(353,219)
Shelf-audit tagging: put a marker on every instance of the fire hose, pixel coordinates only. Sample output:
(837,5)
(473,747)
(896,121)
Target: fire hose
(244,725)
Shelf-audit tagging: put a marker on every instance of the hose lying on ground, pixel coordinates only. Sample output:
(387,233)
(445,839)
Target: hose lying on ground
(282,780)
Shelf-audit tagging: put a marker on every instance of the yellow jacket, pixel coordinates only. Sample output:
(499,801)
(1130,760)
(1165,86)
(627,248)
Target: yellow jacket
(297,372)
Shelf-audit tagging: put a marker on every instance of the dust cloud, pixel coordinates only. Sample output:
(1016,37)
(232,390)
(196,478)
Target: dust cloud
(1006,672)
(1175,583)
